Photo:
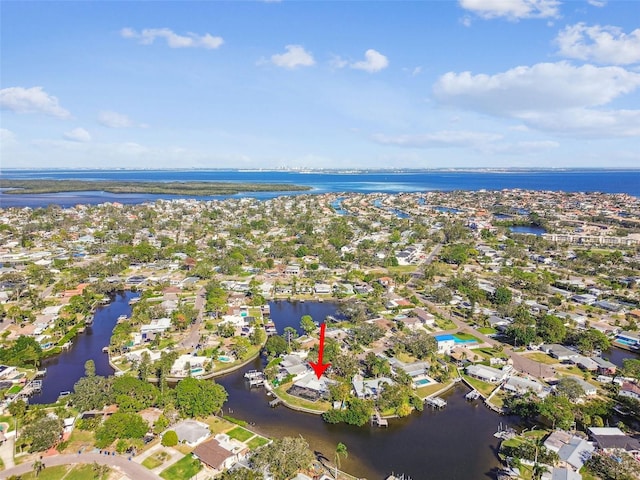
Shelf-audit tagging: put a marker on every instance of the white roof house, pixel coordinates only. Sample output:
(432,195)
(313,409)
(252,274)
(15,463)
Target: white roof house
(486,374)
(158,325)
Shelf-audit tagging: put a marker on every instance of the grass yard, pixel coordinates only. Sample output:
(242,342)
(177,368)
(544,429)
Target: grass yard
(186,467)
(257,442)
(240,433)
(68,472)
(466,336)
(483,387)
(218,425)
(152,462)
(445,323)
(9,420)
(427,390)
(13,390)
(405,357)
(542,358)
(78,439)
(487,330)
(319,405)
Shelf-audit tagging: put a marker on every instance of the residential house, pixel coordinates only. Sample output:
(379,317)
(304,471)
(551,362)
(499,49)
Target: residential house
(191,432)
(185,362)
(446,343)
(610,439)
(159,325)
(573,451)
(522,385)
(369,387)
(219,455)
(605,367)
(486,374)
(630,390)
(322,289)
(560,352)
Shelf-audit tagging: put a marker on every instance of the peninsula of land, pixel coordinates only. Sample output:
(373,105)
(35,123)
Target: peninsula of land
(167,188)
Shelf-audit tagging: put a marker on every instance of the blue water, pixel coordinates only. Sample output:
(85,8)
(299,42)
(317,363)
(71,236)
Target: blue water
(572,180)
(532,230)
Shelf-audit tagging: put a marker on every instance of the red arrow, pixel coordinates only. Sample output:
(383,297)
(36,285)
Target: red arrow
(320,367)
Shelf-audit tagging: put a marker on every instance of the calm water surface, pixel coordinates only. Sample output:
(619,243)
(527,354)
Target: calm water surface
(65,369)
(454,443)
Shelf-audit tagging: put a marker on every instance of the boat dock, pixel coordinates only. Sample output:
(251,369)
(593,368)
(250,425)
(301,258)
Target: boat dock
(31,388)
(472,395)
(256,378)
(378,421)
(41,373)
(275,403)
(435,402)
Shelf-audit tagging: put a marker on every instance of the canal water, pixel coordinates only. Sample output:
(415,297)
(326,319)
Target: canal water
(530,229)
(455,443)
(65,369)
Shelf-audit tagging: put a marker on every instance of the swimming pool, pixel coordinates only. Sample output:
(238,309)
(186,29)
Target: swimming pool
(422,382)
(225,359)
(196,371)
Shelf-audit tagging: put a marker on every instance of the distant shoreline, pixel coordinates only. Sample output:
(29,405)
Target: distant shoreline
(197,188)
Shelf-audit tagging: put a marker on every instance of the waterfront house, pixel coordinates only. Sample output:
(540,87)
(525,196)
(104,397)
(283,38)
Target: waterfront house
(585,363)
(627,340)
(605,367)
(521,385)
(158,325)
(486,374)
(191,432)
(425,317)
(214,455)
(369,387)
(561,474)
(184,363)
(322,289)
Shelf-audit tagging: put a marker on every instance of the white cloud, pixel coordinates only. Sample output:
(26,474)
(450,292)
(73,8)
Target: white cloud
(114,119)
(602,44)
(295,56)
(512,9)
(338,62)
(556,97)
(446,138)
(78,135)
(31,100)
(597,3)
(524,148)
(7,137)
(190,40)
(373,62)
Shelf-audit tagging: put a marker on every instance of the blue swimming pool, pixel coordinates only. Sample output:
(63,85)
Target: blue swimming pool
(225,358)
(422,382)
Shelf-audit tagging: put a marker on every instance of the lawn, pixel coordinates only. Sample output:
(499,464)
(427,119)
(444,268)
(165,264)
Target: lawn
(218,425)
(68,472)
(8,419)
(427,390)
(152,462)
(240,433)
(78,439)
(483,387)
(13,390)
(405,357)
(542,358)
(257,442)
(466,337)
(186,467)
(445,324)
(487,330)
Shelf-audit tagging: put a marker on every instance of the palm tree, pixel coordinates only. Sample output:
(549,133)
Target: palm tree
(38,466)
(341,450)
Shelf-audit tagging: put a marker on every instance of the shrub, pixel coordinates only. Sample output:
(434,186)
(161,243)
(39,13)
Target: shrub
(170,439)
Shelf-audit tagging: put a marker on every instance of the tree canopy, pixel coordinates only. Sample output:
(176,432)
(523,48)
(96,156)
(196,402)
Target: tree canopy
(199,398)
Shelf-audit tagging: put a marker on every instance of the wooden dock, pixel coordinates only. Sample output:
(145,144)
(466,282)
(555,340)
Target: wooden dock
(275,403)
(378,421)
(435,402)
(472,395)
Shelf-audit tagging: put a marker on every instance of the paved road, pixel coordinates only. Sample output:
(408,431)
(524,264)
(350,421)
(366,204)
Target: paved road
(419,273)
(122,464)
(193,338)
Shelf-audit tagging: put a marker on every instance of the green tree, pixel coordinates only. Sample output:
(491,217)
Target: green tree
(284,457)
(341,451)
(276,345)
(199,398)
(552,329)
(18,408)
(89,368)
(92,393)
(570,388)
(631,368)
(258,336)
(42,434)
(307,324)
(38,466)
(558,409)
(132,394)
(502,296)
(169,439)
(121,425)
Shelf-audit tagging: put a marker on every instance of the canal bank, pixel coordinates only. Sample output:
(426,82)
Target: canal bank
(454,443)
(66,368)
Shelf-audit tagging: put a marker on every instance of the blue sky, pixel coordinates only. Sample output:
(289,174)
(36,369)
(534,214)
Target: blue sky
(300,84)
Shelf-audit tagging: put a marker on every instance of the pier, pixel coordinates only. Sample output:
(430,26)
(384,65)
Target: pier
(275,403)
(256,378)
(377,420)
(472,395)
(435,402)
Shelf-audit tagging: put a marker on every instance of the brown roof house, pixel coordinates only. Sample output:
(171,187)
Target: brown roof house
(221,452)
